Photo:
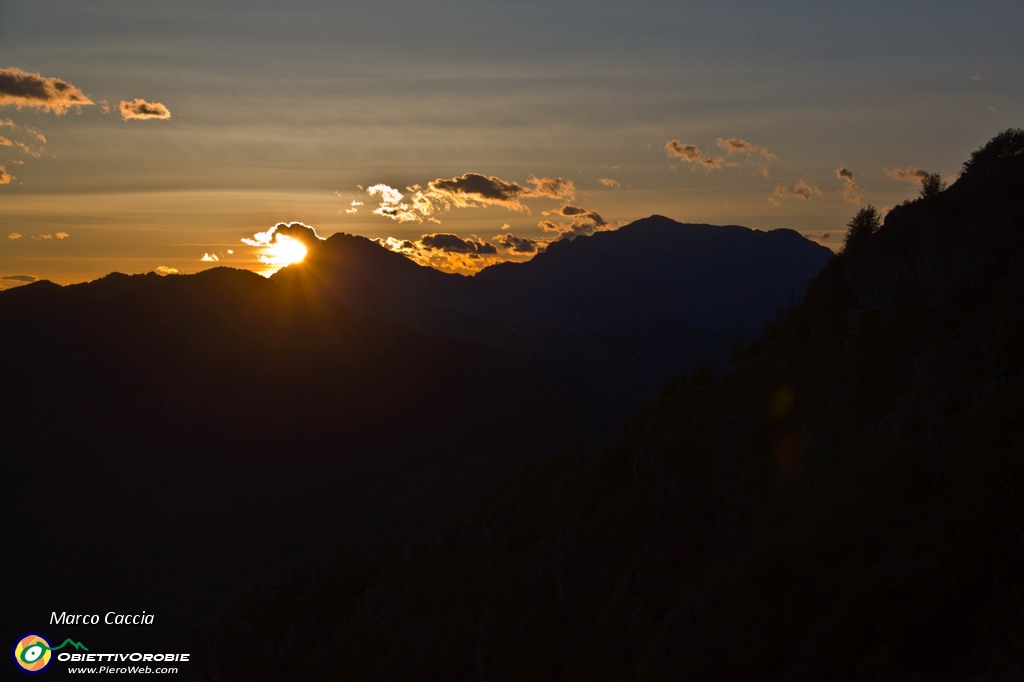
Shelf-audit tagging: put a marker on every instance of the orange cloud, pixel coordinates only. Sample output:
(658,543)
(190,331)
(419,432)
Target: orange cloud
(851,190)
(5,177)
(801,190)
(686,152)
(445,251)
(445,241)
(553,188)
(582,222)
(26,132)
(608,182)
(469,190)
(141,110)
(735,145)
(693,154)
(515,244)
(24,89)
(473,189)
(911,174)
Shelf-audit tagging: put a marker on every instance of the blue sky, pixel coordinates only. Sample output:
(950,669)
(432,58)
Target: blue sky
(290,112)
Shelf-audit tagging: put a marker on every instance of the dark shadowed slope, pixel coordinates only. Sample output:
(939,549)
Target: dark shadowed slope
(186,433)
(173,436)
(845,505)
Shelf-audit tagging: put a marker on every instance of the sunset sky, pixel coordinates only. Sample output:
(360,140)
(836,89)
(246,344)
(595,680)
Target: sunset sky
(139,136)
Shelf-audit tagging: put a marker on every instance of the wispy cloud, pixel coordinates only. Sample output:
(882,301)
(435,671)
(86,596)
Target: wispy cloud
(581,222)
(141,110)
(749,153)
(735,145)
(553,188)
(24,89)
(910,174)
(609,182)
(686,152)
(515,244)
(851,191)
(709,164)
(35,140)
(40,237)
(14,281)
(802,190)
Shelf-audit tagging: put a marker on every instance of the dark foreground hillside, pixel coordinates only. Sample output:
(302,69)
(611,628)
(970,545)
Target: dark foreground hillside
(845,505)
(170,439)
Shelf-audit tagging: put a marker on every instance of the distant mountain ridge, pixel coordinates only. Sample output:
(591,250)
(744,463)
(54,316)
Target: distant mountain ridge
(704,275)
(659,270)
(623,308)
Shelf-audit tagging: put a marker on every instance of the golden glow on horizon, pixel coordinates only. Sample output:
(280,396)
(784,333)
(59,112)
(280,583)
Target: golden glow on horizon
(283,251)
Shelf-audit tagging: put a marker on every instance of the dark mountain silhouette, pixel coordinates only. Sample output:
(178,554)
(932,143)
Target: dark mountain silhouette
(844,505)
(655,270)
(175,437)
(622,309)
(178,434)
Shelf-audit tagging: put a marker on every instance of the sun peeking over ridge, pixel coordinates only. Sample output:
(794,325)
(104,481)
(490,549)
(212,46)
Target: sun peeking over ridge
(283,244)
(284,251)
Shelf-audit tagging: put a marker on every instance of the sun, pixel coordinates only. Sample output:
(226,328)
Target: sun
(283,251)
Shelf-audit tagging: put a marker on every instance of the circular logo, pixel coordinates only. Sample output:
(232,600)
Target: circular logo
(32,653)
